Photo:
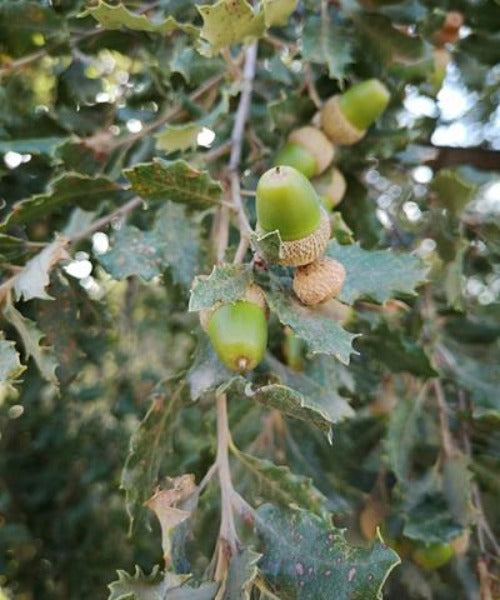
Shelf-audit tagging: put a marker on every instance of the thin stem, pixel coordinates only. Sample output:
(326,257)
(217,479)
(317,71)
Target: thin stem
(448,446)
(227,526)
(236,148)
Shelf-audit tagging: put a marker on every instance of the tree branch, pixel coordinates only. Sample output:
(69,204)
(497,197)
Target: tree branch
(236,149)
(450,156)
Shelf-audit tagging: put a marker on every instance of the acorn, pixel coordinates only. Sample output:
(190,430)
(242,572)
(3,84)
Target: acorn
(319,281)
(432,556)
(288,203)
(346,117)
(238,331)
(308,150)
(331,188)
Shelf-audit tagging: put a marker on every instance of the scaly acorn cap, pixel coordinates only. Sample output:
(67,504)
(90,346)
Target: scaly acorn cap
(306,250)
(316,143)
(336,126)
(253,294)
(319,281)
(332,190)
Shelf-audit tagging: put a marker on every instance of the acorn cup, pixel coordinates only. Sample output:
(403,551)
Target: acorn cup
(308,150)
(346,117)
(238,331)
(288,203)
(319,281)
(331,188)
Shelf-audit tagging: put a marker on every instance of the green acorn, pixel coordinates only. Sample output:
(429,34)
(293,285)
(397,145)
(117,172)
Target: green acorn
(288,203)
(308,150)
(331,188)
(238,331)
(432,556)
(346,117)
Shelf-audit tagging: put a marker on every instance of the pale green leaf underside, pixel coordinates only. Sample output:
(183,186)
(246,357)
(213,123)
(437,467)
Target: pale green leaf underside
(31,337)
(226,23)
(10,365)
(116,17)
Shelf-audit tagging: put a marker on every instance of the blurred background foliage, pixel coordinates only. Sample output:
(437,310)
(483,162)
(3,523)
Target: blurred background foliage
(79,102)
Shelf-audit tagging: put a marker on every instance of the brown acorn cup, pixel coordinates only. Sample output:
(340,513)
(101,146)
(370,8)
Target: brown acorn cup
(306,250)
(319,281)
(336,126)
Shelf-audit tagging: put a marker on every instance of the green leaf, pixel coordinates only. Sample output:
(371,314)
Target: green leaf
(149,447)
(290,111)
(408,56)
(173,242)
(226,23)
(241,575)
(397,351)
(327,44)
(341,232)
(22,23)
(227,283)
(35,277)
(195,68)
(268,245)
(457,488)
(178,137)
(376,274)
(402,435)
(206,372)
(277,12)
(431,521)
(31,337)
(176,181)
(118,16)
(318,411)
(277,484)
(69,189)
(323,336)
(158,586)
(11,248)
(303,557)
(10,366)
(451,190)
(45,145)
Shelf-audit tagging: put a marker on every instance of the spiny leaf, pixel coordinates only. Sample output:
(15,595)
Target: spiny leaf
(67,189)
(303,557)
(173,242)
(323,336)
(10,366)
(226,283)
(328,44)
(431,521)
(45,145)
(116,17)
(158,586)
(457,488)
(178,137)
(149,445)
(35,277)
(452,190)
(289,111)
(226,23)
(206,372)
(402,435)
(165,504)
(278,484)
(176,181)
(277,12)
(31,337)
(241,575)
(376,274)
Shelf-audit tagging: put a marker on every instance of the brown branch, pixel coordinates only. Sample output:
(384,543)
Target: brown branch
(450,156)
(448,446)
(236,149)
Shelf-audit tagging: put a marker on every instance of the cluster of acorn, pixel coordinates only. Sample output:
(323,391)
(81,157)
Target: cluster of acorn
(287,202)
